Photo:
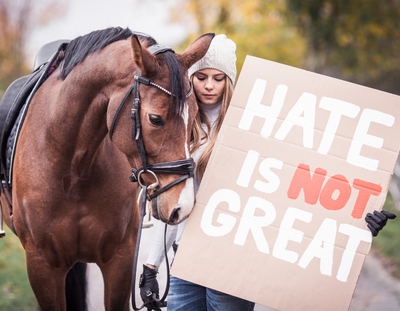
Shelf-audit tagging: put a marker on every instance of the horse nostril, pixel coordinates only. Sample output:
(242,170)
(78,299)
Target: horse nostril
(175,215)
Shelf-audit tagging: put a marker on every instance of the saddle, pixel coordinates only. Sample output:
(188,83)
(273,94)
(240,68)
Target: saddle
(15,103)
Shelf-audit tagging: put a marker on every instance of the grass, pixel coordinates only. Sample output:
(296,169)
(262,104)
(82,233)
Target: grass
(387,243)
(15,290)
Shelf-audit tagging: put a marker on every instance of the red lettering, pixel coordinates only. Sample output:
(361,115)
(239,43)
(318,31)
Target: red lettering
(365,190)
(311,186)
(337,182)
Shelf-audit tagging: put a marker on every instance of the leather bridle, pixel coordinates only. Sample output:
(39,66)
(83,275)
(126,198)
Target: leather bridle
(180,167)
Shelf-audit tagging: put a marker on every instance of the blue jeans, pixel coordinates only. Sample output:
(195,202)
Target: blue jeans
(186,296)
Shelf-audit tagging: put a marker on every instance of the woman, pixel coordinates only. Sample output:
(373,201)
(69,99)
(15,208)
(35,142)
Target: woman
(213,78)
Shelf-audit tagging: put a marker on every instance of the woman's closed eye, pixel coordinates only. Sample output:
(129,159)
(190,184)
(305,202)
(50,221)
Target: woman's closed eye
(218,79)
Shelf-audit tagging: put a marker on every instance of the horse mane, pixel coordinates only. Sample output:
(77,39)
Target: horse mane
(79,48)
(176,84)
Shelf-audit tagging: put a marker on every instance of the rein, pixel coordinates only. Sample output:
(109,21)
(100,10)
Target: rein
(180,167)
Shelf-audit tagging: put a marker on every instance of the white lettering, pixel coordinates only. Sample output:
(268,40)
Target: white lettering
(322,247)
(248,168)
(337,108)
(273,179)
(255,108)
(304,106)
(255,223)
(227,221)
(356,235)
(361,137)
(287,233)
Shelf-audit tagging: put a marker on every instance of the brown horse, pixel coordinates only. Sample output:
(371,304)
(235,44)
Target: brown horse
(72,198)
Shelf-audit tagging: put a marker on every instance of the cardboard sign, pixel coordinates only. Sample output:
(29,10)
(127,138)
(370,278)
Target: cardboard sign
(300,160)
(394,186)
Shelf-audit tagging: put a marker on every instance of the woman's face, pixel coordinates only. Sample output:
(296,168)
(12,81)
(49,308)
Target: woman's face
(209,85)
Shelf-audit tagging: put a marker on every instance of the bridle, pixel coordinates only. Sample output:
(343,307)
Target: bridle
(180,167)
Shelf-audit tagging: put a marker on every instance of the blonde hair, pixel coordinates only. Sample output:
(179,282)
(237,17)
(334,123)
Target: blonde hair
(198,131)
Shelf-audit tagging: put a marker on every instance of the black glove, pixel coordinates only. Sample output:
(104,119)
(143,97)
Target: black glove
(148,286)
(378,220)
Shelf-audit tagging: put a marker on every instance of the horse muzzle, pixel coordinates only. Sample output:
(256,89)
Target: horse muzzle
(161,209)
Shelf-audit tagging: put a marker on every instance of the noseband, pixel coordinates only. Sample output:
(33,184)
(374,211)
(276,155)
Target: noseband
(180,167)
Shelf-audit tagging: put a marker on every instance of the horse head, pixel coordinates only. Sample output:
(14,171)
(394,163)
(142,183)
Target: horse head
(164,108)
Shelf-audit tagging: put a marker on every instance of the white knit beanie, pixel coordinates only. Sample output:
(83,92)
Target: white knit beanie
(220,55)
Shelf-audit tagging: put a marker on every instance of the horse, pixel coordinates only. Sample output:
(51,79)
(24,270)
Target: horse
(73,201)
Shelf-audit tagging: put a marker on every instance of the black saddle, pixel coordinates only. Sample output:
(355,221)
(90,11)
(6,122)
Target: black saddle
(47,51)
(15,102)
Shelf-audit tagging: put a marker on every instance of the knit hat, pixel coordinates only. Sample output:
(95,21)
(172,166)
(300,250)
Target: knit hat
(220,55)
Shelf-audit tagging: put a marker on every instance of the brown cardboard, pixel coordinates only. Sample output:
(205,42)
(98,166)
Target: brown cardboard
(258,237)
(394,186)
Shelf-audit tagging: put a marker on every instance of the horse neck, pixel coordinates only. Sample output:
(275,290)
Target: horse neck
(78,119)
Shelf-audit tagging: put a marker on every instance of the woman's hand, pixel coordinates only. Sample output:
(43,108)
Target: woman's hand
(148,287)
(377,220)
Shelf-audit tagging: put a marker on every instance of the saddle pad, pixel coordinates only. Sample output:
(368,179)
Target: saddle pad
(8,99)
(13,100)
(21,91)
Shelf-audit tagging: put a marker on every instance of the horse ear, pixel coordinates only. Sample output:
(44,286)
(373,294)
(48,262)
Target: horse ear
(196,50)
(144,60)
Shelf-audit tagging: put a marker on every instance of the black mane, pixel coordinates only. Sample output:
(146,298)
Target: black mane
(176,84)
(79,48)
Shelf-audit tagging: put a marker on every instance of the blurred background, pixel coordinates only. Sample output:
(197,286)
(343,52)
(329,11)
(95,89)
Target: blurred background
(355,40)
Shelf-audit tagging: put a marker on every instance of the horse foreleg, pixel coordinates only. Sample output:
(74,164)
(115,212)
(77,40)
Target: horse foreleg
(47,282)
(117,274)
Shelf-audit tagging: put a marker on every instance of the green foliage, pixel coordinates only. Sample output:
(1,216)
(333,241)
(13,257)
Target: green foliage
(387,243)
(17,20)
(258,28)
(359,38)
(15,290)
(354,40)
(14,18)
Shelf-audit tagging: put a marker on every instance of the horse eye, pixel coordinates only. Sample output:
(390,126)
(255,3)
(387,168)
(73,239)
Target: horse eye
(156,120)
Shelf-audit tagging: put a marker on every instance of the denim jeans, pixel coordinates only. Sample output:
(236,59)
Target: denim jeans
(186,296)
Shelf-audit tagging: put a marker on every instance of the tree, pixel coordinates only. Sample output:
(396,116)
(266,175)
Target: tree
(355,40)
(359,38)
(258,27)
(17,19)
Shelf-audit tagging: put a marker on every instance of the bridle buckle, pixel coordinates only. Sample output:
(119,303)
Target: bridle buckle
(152,186)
